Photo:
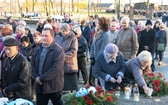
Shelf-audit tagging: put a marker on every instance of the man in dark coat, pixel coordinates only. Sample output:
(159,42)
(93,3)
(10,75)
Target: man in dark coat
(48,69)
(40,25)
(16,73)
(147,41)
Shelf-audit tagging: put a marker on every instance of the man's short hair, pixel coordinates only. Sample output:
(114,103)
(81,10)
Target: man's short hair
(25,39)
(49,29)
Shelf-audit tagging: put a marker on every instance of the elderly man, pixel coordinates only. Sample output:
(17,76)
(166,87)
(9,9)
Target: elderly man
(48,69)
(127,40)
(16,73)
(110,66)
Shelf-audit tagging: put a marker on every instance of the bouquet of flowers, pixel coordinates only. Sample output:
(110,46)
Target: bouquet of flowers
(91,96)
(157,82)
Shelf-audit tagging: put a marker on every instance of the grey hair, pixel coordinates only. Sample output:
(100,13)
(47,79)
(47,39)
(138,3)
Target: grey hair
(58,25)
(77,29)
(21,28)
(143,25)
(140,22)
(145,56)
(65,26)
(125,18)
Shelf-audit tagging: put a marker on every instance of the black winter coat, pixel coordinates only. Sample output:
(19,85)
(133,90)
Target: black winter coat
(82,47)
(16,77)
(40,28)
(147,39)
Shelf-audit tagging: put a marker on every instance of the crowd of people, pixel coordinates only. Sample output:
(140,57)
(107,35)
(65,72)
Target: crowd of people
(49,60)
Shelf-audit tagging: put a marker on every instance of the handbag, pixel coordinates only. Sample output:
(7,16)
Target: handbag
(160,47)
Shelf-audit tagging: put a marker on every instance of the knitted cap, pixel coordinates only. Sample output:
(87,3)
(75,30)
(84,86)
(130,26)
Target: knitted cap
(111,49)
(148,22)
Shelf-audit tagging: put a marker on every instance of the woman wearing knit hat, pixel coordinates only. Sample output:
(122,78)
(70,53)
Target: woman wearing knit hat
(110,66)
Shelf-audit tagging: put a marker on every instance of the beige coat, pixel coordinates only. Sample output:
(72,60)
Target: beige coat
(70,46)
(127,43)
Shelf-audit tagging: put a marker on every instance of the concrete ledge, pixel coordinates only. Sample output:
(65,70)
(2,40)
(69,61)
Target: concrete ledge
(28,21)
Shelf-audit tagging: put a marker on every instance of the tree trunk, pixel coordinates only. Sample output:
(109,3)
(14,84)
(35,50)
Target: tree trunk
(45,5)
(131,13)
(77,6)
(27,8)
(20,9)
(147,9)
(33,5)
(150,11)
(72,5)
(52,6)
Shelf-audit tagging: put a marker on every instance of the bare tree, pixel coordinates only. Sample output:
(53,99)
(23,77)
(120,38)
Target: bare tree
(147,9)
(72,5)
(27,6)
(19,6)
(45,6)
(33,4)
(52,6)
(77,5)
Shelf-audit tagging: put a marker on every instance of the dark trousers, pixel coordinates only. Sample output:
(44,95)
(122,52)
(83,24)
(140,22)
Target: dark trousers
(91,78)
(161,54)
(42,99)
(82,68)
(153,63)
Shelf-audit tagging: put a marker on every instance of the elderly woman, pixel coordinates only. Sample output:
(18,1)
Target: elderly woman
(20,32)
(110,66)
(100,40)
(136,67)
(69,43)
(82,49)
(161,38)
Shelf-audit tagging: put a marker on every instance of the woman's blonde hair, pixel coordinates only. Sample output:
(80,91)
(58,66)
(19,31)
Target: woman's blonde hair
(145,56)
(21,28)
(162,25)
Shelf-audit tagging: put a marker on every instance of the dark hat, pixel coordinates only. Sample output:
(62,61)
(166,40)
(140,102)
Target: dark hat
(10,42)
(148,22)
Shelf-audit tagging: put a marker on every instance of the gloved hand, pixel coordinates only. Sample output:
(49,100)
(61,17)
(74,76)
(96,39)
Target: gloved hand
(92,61)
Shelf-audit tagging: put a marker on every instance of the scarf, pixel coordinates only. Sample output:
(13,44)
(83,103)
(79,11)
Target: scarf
(159,33)
(97,34)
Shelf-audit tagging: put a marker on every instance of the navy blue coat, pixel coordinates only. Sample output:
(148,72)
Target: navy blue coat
(86,33)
